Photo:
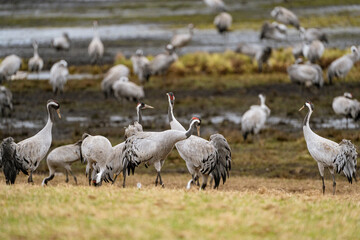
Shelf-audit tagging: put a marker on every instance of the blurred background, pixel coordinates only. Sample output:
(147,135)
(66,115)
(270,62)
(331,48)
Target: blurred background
(209,78)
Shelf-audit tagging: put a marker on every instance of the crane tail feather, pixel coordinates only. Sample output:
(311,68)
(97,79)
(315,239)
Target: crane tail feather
(222,167)
(346,161)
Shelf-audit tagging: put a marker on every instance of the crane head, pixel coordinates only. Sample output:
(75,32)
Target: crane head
(197,122)
(275,12)
(142,106)
(348,95)
(309,105)
(169,48)
(139,53)
(171,97)
(63,63)
(54,105)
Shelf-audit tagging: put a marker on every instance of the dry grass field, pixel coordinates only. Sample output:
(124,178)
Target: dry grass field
(245,207)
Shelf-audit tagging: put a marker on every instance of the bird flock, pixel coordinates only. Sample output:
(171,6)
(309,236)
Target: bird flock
(204,159)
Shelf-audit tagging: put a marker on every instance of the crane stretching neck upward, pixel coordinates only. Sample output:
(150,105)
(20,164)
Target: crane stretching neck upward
(306,125)
(96,35)
(174,124)
(35,50)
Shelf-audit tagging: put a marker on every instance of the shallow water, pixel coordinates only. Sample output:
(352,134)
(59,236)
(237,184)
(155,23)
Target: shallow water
(151,36)
(118,121)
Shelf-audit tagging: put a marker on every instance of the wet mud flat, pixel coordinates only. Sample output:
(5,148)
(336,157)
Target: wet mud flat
(126,39)
(283,150)
(84,107)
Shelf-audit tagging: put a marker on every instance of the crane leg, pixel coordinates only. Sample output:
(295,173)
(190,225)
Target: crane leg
(159,177)
(331,170)
(347,123)
(211,181)
(323,187)
(197,180)
(115,178)
(46,180)
(161,182)
(156,180)
(67,176)
(90,172)
(204,181)
(124,179)
(72,174)
(30,180)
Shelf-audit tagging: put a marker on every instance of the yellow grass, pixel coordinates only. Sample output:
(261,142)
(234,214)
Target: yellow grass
(246,208)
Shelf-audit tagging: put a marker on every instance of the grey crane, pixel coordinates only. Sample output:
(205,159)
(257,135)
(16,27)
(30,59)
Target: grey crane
(216,5)
(61,158)
(98,151)
(62,42)
(5,100)
(112,75)
(312,34)
(297,50)
(256,51)
(95,150)
(9,66)
(115,164)
(274,31)
(341,66)
(58,76)
(162,62)
(140,66)
(306,74)
(347,106)
(328,154)
(223,22)
(313,50)
(96,47)
(203,158)
(285,16)
(124,89)
(181,40)
(35,63)
(153,148)
(31,151)
(253,120)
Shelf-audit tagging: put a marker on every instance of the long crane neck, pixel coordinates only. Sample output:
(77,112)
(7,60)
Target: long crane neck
(170,112)
(262,102)
(190,130)
(307,119)
(48,126)
(308,133)
(36,50)
(96,34)
(138,110)
(174,124)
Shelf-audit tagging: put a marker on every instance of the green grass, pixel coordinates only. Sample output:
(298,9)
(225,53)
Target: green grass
(243,18)
(204,63)
(252,208)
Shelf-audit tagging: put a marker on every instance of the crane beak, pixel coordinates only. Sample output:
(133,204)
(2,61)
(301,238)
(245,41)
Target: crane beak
(58,112)
(301,108)
(198,130)
(148,106)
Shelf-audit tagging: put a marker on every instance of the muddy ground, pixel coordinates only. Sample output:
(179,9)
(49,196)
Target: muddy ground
(281,151)
(220,100)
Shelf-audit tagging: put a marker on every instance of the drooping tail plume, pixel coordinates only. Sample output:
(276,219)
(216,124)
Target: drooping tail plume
(11,162)
(223,164)
(346,160)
